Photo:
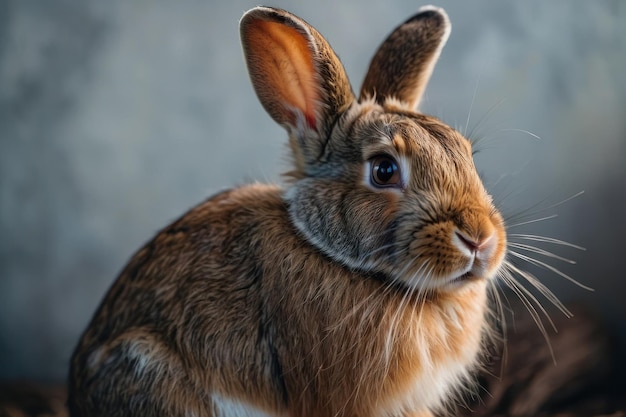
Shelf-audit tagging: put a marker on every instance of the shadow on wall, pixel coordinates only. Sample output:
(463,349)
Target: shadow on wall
(116,117)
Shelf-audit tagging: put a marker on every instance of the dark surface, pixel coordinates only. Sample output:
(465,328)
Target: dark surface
(25,399)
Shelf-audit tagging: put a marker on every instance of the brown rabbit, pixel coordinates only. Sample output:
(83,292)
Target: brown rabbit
(359,289)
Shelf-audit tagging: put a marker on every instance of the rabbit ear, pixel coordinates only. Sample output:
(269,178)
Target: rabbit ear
(404,62)
(295,73)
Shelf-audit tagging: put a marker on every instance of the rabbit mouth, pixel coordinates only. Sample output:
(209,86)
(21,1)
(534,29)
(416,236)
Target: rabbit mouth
(462,279)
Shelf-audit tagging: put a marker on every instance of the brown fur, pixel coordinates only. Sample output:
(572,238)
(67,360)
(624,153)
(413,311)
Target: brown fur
(332,297)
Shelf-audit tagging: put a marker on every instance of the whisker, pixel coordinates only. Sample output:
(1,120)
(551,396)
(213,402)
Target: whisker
(570,198)
(531,296)
(529,133)
(489,112)
(469,113)
(508,278)
(500,198)
(508,306)
(542,264)
(534,209)
(545,291)
(520,246)
(552,216)
(545,239)
(358,308)
(500,317)
(391,333)
(540,251)
(423,274)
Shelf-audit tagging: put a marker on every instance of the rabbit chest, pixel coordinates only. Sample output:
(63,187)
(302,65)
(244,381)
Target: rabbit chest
(343,340)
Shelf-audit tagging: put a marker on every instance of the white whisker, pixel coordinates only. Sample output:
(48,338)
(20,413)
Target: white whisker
(392,331)
(487,114)
(500,317)
(469,113)
(529,133)
(578,194)
(545,291)
(522,293)
(552,216)
(540,251)
(549,267)
(545,239)
(523,247)
(534,210)
(530,296)
(495,134)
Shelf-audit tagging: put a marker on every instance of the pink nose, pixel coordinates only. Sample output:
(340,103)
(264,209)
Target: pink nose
(482,244)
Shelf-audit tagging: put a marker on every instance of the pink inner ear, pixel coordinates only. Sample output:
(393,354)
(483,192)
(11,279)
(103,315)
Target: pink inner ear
(283,73)
(311,122)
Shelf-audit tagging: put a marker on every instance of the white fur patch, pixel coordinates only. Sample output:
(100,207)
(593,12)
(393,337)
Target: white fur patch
(439,379)
(428,391)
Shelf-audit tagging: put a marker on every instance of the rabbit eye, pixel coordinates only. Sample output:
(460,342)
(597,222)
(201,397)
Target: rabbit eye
(385,172)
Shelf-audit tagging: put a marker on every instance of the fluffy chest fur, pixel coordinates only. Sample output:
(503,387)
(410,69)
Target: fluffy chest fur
(441,350)
(387,355)
(374,349)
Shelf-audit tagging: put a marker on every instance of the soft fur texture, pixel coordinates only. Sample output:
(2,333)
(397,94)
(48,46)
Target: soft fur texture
(339,295)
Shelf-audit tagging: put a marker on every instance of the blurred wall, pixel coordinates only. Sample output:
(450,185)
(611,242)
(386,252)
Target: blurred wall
(117,116)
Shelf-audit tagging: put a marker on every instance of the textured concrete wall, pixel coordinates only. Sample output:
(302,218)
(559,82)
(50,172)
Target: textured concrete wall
(117,116)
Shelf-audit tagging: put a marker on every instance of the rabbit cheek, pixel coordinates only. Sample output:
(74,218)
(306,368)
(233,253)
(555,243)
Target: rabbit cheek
(339,220)
(430,257)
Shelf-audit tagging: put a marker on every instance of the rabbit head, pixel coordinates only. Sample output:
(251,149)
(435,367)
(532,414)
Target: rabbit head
(375,185)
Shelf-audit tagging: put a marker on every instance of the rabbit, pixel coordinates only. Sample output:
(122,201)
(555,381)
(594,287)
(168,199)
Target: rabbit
(358,288)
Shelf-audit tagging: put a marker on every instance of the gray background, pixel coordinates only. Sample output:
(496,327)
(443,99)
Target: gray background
(117,116)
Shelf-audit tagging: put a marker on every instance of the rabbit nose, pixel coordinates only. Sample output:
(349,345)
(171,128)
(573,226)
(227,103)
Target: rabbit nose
(481,245)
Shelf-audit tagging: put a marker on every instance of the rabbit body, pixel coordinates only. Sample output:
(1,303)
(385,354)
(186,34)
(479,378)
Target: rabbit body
(357,290)
(268,320)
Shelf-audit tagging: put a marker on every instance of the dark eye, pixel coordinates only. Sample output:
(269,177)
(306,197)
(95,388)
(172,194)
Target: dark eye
(385,172)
